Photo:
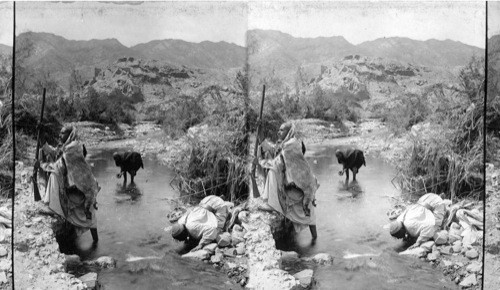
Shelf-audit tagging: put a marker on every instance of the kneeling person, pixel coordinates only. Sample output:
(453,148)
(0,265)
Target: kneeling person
(416,222)
(203,223)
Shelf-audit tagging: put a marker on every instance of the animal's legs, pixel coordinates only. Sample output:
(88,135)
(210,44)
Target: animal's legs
(314,233)
(95,236)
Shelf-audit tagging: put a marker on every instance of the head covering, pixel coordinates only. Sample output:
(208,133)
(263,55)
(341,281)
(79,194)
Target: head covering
(178,231)
(291,132)
(395,227)
(72,135)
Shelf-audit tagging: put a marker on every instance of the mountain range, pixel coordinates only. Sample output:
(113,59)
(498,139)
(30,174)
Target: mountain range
(493,66)
(280,51)
(267,49)
(5,49)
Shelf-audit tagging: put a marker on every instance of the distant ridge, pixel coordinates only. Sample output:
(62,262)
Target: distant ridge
(270,48)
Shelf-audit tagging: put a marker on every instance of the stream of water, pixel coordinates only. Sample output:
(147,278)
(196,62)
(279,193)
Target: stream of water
(131,221)
(350,221)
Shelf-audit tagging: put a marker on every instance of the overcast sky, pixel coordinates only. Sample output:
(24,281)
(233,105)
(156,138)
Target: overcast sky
(363,21)
(6,23)
(137,23)
(228,21)
(493,18)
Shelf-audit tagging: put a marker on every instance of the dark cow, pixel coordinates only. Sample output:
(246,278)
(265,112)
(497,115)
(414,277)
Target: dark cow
(128,162)
(352,159)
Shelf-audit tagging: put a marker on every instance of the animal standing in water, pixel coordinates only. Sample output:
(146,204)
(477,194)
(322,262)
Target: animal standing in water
(128,162)
(352,159)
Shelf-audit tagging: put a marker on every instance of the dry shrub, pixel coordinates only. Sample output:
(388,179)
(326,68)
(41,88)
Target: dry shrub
(450,160)
(6,148)
(215,161)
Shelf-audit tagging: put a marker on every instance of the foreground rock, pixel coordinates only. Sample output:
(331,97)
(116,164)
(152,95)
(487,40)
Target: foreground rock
(263,257)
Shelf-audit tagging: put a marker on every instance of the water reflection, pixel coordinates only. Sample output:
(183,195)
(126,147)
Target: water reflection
(351,220)
(127,192)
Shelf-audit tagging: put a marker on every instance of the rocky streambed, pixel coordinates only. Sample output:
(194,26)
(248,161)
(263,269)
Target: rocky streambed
(248,255)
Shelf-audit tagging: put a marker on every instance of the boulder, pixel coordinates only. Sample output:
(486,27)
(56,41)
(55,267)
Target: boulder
(230,252)
(323,259)
(427,246)
(240,249)
(237,228)
(446,263)
(103,262)
(217,258)
(289,255)
(71,260)
(441,237)
(210,248)
(236,238)
(90,280)
(3,277)
(3,251)
(224,240)
(469,281)
(457,247)
(452,237)
(304,277)
(447,250)
(474,267)
(433,256)
(417,252)
(199,255)
(470,237)
(472,254)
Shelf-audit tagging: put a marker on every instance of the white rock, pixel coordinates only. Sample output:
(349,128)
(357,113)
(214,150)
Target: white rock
(224,240)
(3,277)
(427,246)
(217,258)
(90,279)
(469,281)
(200,255)
(323,259)
(472,254)
(474,267)
(417,252)
(106,262)
(210,247)
(441,238)
(3,251)
(433,256)
(304,277)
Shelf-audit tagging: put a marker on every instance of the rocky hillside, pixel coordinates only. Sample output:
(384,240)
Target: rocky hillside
(150,85)
(274,52)
(206,54)
(5,49)
(446,53)
(372,82)
(494,65)
(59,56)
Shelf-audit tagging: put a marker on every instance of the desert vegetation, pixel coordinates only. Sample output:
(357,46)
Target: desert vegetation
(448,158)
(6,139)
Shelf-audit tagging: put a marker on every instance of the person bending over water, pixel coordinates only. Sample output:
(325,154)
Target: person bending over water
(420,221)
(71,189)
(203,223)
(290,185)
